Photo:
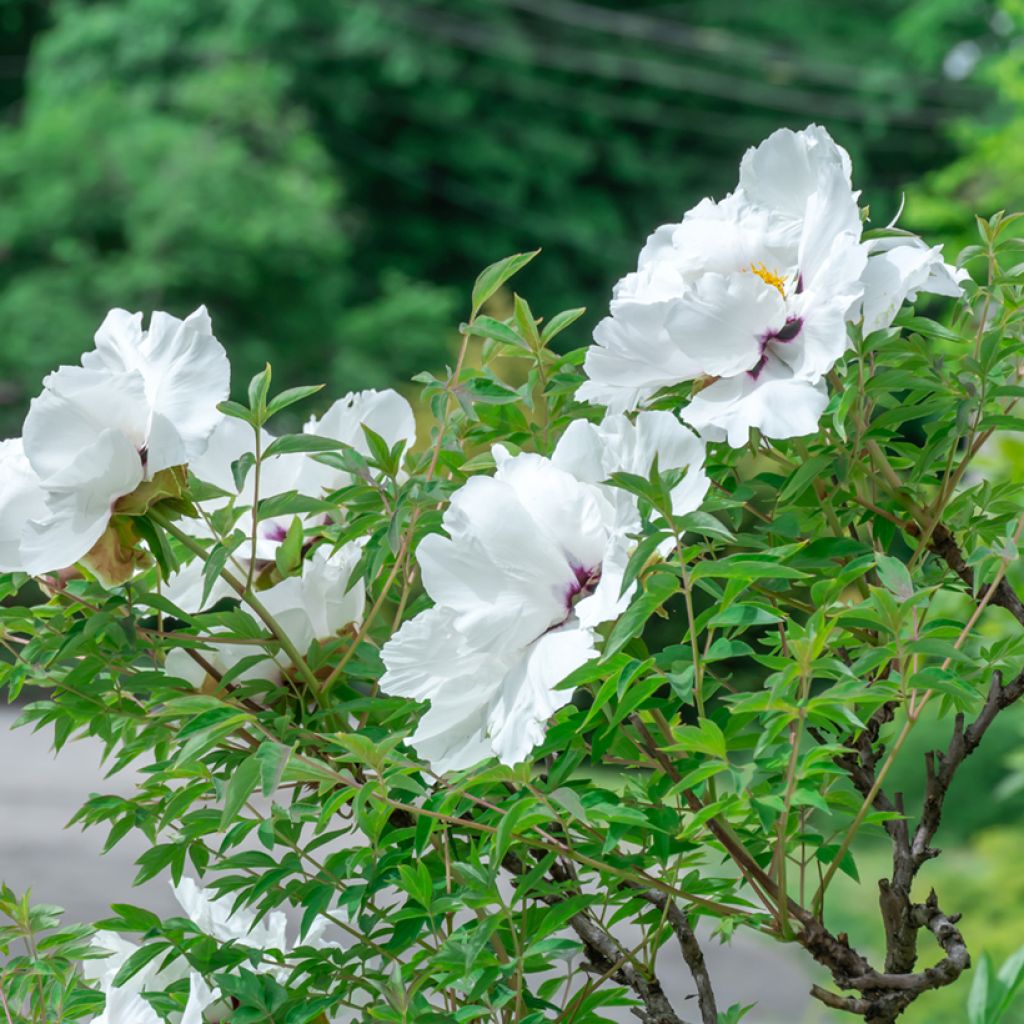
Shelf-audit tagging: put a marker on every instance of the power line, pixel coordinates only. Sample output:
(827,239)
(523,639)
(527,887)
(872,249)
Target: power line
(657,73)
(715,42)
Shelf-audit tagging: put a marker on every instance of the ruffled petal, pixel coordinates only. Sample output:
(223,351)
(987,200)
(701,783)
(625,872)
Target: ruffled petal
(186,372)
(527,697)
(898,269)
(496,569)
(80,501)
(22,500)
(76,405)
(775,403)
(429,659)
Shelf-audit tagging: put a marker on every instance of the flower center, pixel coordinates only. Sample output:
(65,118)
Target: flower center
(585,584)
(769,277)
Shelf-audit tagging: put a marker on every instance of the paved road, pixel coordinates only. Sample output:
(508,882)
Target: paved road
(39,794)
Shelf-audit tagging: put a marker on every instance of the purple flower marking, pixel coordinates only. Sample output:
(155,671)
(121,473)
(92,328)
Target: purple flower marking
(787,332)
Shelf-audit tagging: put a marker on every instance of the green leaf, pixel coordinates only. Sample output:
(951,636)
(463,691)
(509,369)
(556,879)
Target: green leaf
(288,555)
(659,588)
(978,998)
(243,781)
(272,758)
(290,397)
(706,524)
(488,327)
(138,960)
(240,468)
(237,410)
(745,567)
(494,276)
(526,322)
(1009,978)
(560,321)
(417,883)
(289,444)
(259,387)
(895,577)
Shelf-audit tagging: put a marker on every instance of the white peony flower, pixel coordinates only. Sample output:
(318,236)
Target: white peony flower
(313,606)
(22,500)
(534,560)
(212,915)
(750,297)
(141,403)
(230,440)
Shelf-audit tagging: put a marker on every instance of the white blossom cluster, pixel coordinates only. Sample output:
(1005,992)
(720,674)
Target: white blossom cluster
(752,299)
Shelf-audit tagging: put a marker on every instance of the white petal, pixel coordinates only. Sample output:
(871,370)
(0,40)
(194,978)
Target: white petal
(608,601)
(80,500)
(185,369)
(200,996)
(386,413)
(898,269)
(318,603)
(21,500)
(185,588)
(498,570)
(527,698)
(75,407)
(126,1006)
(788,168)
(103,971)
(213,915)
(594,452)
(428,659)
(575,516)
(775,403)
(719,322)
(633,357)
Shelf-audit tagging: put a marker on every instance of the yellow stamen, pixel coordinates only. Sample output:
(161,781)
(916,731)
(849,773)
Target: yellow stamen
(769,277)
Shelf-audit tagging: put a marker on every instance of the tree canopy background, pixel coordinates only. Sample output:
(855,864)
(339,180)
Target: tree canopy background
(328,177)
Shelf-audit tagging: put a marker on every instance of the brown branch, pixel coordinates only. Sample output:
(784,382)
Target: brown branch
(943,543)
(883,997)
(604,952)
(692,953)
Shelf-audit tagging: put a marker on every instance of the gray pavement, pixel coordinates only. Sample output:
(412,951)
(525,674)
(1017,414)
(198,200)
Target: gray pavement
(39,793)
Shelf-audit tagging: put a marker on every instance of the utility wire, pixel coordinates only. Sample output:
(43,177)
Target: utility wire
(621,68)
(715,42)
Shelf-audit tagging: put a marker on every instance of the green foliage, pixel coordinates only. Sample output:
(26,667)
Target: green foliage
(700,769)
(39,975)
(301,166)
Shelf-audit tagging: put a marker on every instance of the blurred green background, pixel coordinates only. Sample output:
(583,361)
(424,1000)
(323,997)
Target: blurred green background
(329,175)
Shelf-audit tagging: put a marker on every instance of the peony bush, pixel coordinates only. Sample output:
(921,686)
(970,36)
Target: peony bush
(434,710)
